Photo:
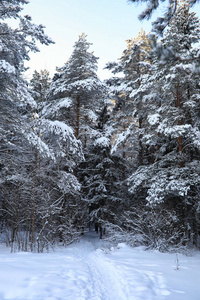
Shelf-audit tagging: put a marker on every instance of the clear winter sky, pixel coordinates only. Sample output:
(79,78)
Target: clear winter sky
(107,23)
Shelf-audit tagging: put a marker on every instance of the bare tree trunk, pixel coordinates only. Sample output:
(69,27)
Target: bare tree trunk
(101,232)
(85,139)
(152,154)
(139,71)
(180,138)
(77,115)
(96,227)
(33,207)
(140,145)
(124,145)
(13,238)
(27,231)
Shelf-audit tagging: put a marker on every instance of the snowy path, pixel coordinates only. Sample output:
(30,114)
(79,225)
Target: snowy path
(86,271)
(105,281)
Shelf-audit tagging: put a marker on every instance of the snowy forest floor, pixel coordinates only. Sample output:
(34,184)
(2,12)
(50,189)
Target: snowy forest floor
(88,270)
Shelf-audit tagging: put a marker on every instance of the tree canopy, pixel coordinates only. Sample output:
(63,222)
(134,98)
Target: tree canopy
(162,22)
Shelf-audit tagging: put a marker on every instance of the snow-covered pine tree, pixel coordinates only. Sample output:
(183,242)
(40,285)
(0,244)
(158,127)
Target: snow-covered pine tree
(61,207)
(14,50)
(162,22)
(171,180)
(16,135)
(40,83)
(78,81)
(101,175)
(56,189)
(71,102)
(133,64)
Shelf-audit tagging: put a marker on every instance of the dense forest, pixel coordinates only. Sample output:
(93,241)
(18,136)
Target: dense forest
(121,156)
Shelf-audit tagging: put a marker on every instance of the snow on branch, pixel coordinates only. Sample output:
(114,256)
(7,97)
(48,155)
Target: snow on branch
(121,139)
(90,84)
(59,128)
(36,141)
(5,67)
(59,104)
(173,131)
(68,182)
(153,119)
(64,133)
(36,31)
(102,142)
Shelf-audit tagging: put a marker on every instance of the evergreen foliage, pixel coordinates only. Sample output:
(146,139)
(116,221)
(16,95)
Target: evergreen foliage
(78,80)
(102,177)
(172,128)
(162,22)
(133,64)
(40,84)
(122,156)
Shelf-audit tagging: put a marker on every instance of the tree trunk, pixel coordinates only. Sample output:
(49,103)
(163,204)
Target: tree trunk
(152,154)
(33,206)
(96,227)
(139,71)
(140,145)
(77,115)
(101,232)
(180,139)
(27,231)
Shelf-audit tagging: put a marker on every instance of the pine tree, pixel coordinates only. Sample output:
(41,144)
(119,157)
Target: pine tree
(171,125)
(78,80)
(40,83)
(134,64)
(162,22)
(15,128)
(101,177)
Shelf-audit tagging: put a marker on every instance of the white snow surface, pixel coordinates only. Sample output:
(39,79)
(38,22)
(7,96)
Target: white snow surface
(90,270)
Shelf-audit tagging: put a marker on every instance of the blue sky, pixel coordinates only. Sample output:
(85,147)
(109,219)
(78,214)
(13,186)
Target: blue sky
(107,23)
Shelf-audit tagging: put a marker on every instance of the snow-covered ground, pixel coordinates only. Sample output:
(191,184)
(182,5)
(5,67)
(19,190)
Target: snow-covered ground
(89,271)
